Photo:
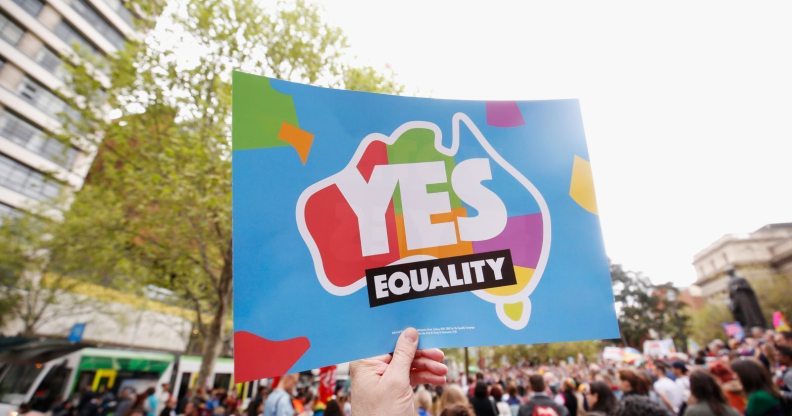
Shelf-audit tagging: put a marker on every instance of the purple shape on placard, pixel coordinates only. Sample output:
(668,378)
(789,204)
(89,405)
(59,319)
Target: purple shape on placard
(504,114)
(522,235)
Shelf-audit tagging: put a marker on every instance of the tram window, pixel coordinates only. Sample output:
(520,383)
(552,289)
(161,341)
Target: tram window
(50,388)
(184,386)
(17,381)
(222,381)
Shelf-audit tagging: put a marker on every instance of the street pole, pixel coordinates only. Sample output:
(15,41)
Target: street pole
(467,365)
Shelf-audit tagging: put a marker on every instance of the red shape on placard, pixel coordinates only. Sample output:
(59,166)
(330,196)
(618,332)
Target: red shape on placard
(334,228)
(256,357)
(376,153)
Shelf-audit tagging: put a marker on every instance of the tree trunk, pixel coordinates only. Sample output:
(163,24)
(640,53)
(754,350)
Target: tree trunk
(212,342)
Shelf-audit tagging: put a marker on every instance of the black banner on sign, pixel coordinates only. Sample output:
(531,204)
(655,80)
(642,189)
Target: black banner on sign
(426,278)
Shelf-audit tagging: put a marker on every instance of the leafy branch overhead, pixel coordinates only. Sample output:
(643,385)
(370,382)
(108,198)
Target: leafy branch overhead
(156,207)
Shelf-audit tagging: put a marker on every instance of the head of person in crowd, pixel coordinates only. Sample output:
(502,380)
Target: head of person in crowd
(706,391)
(784,355)
(496,392)
(189,409)
(457,410)
(715,346)
(630,382)
(481,390)
(452,395)
(423,401)
(754,377)
(333,409)
(757,332)
(640,406)
(661,369)
(568,385)
(679,369)
(783,338)
(537,383)
(288,383)
(601,399)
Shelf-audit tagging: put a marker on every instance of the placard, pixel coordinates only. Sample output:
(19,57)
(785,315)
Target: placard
(356,215)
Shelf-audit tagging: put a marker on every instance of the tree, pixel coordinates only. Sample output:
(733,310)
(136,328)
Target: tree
(156,208)
(706,324)
(645,308)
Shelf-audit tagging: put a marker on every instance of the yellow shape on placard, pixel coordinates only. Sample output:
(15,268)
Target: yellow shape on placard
(523,275)
(513,310)
(581,187)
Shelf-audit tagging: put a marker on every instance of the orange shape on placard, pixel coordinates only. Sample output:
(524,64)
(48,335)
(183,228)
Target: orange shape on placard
(298,138)
(458,249)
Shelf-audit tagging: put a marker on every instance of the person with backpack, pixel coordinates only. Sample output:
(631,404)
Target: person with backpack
(481,402)
(540,404)
(764,399)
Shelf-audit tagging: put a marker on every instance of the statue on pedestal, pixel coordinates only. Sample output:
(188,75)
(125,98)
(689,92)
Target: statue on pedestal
(743,303)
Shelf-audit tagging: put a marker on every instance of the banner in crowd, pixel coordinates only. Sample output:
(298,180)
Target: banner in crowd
(734,330)
(659,348)
(780,322)
(356,215)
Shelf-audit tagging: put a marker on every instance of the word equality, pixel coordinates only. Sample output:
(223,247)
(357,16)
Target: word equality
(400,282)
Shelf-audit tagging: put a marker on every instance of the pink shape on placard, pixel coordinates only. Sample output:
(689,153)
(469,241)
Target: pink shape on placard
(504,114)
(522,236)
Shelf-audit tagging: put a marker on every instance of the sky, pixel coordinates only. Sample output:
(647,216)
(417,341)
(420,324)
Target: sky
(686,104)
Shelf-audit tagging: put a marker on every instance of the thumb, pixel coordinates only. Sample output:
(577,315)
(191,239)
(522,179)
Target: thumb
(403,355)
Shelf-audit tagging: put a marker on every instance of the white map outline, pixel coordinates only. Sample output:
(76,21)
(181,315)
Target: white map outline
(351,169)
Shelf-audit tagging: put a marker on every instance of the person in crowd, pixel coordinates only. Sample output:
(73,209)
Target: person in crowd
(514,399)
(26,410)
(457,410)
(423,402)
(279,402)
(764,399)
(453,395)
(641,405)
(150,402)
(163,397)
(481,402)
(169,408)
(731,387)
(631,383)
(601,400)
(570,399)
(681,379)
(255,407)
(500,405)
(125,399)
(190,409)
(332,409)
(707,397)
(785,362)
(783,339)
(540,401)
(670,393)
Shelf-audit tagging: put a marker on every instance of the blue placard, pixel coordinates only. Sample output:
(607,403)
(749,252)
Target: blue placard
(76,332)
(356,215)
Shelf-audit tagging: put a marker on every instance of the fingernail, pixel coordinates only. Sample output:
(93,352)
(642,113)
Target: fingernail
(410,334)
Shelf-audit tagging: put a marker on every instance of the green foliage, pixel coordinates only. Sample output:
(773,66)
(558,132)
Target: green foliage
(706,323)
(774,294)
(544,353)
(156,208)
(644,308)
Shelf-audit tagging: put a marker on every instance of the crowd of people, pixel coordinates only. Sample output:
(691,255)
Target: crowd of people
(751,377)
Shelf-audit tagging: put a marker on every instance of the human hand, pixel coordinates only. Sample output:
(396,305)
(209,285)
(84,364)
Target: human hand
(382,386)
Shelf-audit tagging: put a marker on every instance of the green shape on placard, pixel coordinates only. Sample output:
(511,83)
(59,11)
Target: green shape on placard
(258,112)
(417,145)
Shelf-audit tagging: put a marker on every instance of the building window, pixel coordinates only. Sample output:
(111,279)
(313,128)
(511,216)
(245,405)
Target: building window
(98,22)
(43,99)
(30,137)
(7,212)
(70,35)
(31,6)
(10,31)
(27,181)
(122,11)
(50,61)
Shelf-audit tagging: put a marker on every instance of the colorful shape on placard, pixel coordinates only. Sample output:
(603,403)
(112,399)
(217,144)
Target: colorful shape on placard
(581,187)
(298,138)
(504,114)
(522,235)
(523,275)
(259,113)
(513,310)
(265,358)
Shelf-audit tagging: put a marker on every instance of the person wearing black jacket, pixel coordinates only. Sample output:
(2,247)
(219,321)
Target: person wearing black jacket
(540,399)
(481,402)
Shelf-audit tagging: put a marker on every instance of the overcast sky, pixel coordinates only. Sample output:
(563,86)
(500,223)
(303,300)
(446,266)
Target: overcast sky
(686,104)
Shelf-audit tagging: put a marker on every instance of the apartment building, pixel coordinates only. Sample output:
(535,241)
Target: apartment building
(38,39)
